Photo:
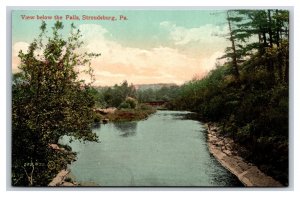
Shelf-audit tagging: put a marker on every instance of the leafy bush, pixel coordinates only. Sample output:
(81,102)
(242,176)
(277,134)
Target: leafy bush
(132,102)
(124,105)
(129,103)
(48,101)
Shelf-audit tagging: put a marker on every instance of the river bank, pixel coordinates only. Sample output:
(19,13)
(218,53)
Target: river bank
(65,179)
(61,180)
(224,150)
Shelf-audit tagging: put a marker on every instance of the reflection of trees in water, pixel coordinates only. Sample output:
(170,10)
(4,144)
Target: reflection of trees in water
(127,129)
(96,125)
(180,116)
(192,116)
(186,116)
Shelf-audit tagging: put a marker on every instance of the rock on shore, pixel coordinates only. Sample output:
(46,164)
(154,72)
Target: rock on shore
(222,148)
(60,181)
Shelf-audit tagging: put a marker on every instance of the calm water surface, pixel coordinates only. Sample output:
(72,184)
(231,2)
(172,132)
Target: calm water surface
(167,149)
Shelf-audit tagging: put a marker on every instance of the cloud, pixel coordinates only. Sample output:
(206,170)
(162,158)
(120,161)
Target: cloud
(108,74)
(206,34)
(160,64)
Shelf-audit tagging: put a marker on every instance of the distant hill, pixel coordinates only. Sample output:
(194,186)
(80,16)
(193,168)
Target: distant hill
(154,86)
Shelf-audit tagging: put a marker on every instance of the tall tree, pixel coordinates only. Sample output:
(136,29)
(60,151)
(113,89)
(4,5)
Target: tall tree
(233,47)
(48,101)
(261,31)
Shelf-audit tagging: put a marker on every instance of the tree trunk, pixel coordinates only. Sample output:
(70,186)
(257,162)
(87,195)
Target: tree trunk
(270,29)
(271,63)
(280,56)
(264,39)
(234,56)
(277,31)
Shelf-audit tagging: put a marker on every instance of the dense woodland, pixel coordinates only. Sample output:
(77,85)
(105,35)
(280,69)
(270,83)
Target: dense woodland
(116,95)
(248,97)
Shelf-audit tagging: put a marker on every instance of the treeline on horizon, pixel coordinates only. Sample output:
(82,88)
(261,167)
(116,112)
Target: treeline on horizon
(116,95)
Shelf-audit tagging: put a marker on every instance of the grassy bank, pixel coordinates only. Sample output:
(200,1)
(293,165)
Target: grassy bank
(129,114)
(121,115)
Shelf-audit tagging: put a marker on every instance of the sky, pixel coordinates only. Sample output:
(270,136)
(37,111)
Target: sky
(140,46)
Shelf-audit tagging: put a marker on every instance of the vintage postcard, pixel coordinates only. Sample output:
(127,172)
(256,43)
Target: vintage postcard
(150,97)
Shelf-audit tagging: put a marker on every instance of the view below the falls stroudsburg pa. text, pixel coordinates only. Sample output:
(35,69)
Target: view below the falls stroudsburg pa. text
(159,98)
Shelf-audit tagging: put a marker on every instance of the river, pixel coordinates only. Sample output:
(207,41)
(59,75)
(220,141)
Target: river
(167,149)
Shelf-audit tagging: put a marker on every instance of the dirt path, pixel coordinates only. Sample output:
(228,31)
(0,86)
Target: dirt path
(247,173)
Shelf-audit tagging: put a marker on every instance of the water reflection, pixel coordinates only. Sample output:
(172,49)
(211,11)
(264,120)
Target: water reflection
(186,116)
(192,116)
(182,115)
(96,125)
(127,129)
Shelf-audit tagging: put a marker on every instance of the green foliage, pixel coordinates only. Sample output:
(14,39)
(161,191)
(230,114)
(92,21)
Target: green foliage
(161,94)
(98,97)
(114,96)
(253,110)
(49,101)
(124,105)
(129,103)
